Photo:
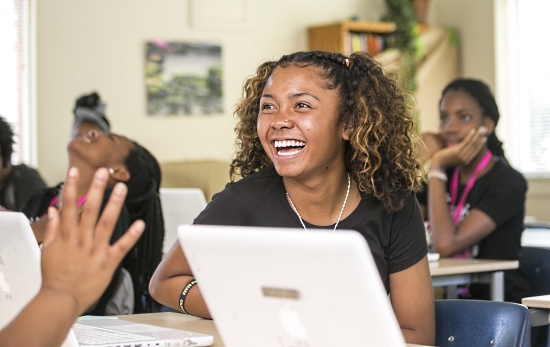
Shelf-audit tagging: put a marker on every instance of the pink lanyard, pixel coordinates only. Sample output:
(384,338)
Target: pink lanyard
(80,202)
(454,186)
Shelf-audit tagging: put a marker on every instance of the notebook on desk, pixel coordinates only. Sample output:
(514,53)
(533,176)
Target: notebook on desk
(286,287)
(20,281)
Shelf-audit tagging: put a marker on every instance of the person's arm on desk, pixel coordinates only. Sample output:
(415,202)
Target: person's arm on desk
(170,278)
(77,264)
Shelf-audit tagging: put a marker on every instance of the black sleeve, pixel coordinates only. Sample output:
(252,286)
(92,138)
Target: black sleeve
(222,210)
(408,243)
(27,181)
(505,198)
(38,203)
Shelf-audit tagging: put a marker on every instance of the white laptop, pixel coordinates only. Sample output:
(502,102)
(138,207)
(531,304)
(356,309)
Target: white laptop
(20,281)
(275,287)
(179,206)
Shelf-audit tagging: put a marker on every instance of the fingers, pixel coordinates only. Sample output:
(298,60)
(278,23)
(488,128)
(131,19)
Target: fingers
(52,228)
(126,242)
(473,144)
(94,199)
(69,217)
(110,214)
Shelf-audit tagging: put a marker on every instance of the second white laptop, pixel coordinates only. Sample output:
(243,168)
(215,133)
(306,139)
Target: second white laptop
(286,287)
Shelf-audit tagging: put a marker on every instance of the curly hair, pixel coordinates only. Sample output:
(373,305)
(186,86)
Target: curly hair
(381,155)
(6,141)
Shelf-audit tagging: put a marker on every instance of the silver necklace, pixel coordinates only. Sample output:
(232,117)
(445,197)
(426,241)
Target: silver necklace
(339,216)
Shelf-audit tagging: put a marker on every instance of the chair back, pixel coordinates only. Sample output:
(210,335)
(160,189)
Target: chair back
(536,264)
(179,206)
(477,323)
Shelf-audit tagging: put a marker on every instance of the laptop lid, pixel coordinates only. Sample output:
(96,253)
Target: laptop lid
(179,206)
(20,277)
(288,287)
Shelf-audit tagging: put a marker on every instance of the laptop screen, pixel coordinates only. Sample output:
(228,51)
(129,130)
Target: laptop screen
(290,287)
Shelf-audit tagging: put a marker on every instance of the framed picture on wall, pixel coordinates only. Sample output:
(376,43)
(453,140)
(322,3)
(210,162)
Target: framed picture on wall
(183,78)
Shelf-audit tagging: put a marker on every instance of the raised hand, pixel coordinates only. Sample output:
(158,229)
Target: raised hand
(77,258)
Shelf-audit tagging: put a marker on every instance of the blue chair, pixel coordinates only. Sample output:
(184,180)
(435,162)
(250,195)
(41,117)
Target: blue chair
(478,323)
(535,263)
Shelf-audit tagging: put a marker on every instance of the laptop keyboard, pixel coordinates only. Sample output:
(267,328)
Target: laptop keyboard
(89,335)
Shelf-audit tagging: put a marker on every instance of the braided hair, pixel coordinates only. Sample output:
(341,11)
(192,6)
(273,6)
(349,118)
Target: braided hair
(143,202)
(485,99)
(381,155)
(6,141)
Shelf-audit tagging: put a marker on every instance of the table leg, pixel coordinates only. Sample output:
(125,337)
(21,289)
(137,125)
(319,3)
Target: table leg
(497,286)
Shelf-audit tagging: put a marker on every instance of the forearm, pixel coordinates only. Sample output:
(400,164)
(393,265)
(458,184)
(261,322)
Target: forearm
(170,278)
(441,225)
(170,296)
(411,295)
(33,326)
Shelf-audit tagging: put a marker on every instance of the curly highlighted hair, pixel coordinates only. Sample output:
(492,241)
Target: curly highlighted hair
(381,155)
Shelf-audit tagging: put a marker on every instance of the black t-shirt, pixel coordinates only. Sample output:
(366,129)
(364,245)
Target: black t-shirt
(396,240)
(500,194)
(20,186)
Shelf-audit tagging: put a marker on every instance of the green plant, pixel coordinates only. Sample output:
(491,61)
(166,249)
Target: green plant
(406,39)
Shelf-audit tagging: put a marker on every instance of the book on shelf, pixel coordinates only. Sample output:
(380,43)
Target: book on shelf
(365,42)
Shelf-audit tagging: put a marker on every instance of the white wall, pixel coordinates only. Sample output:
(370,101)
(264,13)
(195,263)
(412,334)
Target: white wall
(99,45)
(474,22)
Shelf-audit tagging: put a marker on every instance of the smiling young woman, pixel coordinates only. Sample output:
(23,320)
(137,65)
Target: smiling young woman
(325,141)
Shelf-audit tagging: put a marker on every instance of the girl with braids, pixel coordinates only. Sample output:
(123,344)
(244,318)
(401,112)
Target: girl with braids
(325,141)
(127,162)
(143,203)
(475,201)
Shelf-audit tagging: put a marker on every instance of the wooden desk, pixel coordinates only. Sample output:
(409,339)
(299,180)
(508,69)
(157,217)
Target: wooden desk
(450,272)
(540,309)
(183,321)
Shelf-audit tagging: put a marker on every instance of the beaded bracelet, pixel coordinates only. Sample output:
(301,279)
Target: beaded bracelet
(437,174)
(184,293)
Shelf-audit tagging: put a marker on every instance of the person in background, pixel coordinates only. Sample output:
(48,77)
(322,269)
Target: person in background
(128,162)
(324,141)
(475,201)
(142,202)
(17,182)
(77,263)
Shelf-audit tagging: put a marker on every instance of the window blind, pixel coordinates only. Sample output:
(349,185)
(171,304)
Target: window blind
(15,72)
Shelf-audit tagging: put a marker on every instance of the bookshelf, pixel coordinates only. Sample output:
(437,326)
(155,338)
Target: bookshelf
(342,36)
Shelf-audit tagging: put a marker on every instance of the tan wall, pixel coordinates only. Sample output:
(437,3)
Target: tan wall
(99,45)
